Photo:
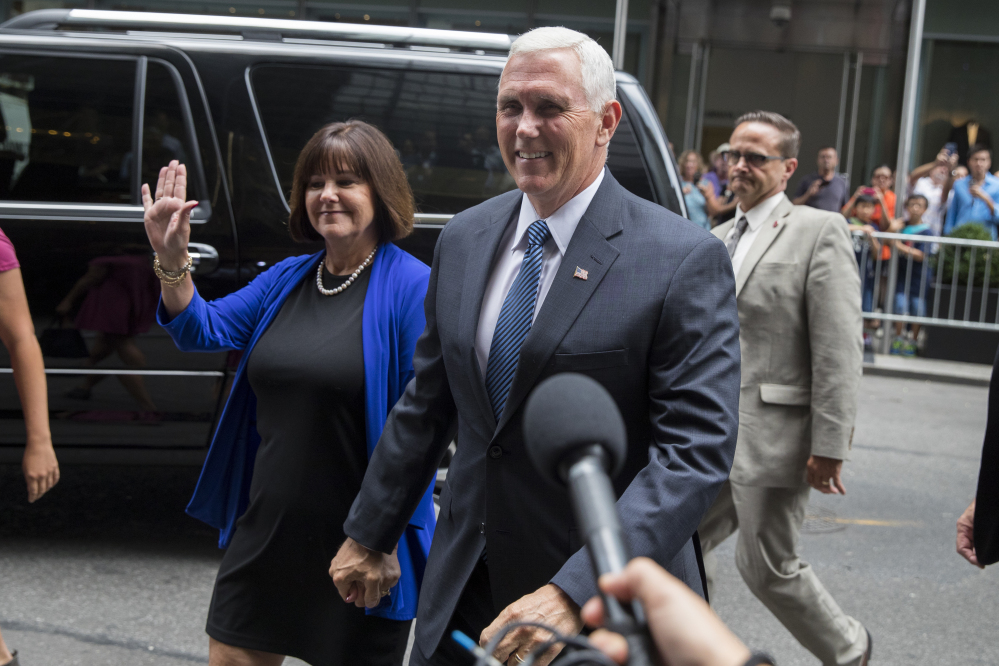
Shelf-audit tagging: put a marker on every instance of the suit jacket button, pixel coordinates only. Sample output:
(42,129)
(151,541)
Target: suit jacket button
(482,528)
(495,452)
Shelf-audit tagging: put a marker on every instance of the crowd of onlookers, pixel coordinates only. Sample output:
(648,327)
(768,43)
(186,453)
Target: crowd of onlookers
(954,190)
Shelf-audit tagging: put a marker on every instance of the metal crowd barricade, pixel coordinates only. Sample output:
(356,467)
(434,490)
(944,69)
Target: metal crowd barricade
(949,297)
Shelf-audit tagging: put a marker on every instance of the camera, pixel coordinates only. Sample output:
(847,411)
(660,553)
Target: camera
(780,15)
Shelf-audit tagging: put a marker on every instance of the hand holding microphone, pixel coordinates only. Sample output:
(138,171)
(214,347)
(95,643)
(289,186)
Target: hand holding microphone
(576,437)
(683,627)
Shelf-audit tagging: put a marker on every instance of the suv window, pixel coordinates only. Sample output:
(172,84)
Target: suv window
(442,125)
(164,132)
(67,128)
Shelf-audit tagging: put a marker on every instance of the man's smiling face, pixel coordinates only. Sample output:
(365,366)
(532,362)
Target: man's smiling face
(549,137)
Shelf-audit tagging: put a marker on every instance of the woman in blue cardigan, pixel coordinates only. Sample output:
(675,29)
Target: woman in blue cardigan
(328,341)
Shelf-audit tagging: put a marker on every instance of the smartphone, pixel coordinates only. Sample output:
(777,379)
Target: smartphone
(951,147)
(870,191)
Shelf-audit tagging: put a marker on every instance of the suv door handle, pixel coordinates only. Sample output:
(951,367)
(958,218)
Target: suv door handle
(204,258)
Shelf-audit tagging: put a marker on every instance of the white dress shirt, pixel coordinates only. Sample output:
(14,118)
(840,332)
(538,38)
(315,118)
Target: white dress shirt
(562,225)
(756,216)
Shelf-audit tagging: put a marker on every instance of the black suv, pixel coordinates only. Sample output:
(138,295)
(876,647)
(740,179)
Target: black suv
(95,102)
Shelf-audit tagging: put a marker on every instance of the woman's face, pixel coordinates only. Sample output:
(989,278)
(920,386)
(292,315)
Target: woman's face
(340,206)
(690,167)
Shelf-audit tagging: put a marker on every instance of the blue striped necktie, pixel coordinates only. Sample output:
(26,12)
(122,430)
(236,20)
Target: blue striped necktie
(515,319)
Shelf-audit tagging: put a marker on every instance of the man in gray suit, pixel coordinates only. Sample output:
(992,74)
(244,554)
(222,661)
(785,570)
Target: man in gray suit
(800,330)
(569,273)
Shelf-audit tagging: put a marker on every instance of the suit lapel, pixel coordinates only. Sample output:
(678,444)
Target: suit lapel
(567,296)
(772,226)
(478,268)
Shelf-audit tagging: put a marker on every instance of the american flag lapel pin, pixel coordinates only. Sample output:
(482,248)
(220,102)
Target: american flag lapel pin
(580,273)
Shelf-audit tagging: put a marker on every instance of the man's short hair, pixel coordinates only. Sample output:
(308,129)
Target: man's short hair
(978,148)
(832,148)
(790,137)
(913,197)
(595,65)
(866,199)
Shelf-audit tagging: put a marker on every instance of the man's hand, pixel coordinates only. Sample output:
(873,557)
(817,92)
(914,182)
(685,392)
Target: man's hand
(823,475)
(966,536)
(685,631)
(977,191)
(814,188)
(363,576)
(550,606)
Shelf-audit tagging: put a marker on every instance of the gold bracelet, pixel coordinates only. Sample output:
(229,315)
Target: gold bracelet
(171,278)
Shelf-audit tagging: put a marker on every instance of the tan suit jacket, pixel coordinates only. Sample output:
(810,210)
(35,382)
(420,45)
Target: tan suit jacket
(798,293)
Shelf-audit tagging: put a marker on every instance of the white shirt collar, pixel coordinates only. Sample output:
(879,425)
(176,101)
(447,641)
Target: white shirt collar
(563,222)
(759,213)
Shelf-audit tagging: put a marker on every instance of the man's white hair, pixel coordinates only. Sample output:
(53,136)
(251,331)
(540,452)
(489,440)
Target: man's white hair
(594,63)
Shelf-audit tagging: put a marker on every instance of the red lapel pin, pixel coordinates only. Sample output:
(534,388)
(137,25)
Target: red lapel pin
(775,224)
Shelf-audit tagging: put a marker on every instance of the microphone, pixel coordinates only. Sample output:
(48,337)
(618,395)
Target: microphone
(576,437)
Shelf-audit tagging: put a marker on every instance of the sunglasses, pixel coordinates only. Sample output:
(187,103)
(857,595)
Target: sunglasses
(752,159)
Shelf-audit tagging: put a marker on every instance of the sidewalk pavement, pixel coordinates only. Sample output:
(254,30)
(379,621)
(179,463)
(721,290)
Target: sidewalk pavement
(949,372)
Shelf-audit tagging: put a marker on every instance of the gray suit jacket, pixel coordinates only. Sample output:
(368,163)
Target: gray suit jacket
(802,348)
(655,323)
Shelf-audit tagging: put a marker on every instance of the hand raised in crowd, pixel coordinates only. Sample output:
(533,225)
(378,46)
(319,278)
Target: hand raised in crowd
(168,216)
(966,536)
(686,632)
(363,576)
(706,188)
(824,475)
(550,606)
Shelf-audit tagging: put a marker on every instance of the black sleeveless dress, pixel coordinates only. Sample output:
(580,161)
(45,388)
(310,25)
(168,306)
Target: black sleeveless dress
(273,591)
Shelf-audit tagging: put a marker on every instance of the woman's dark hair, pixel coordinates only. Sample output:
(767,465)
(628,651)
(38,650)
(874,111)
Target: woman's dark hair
(354,146)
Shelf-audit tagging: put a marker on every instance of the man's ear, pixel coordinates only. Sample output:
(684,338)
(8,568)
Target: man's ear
(609,121)
(790,164)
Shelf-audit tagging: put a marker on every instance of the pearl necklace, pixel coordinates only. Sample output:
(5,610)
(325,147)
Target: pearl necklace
(350,280)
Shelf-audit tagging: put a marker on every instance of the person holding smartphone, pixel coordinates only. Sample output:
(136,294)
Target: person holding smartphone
(824,189)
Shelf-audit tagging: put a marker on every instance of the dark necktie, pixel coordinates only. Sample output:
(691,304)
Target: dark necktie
(515,319)
(733,240)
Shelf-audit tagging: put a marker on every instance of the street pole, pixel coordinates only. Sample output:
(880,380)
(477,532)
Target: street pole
(907,128)
(620,32)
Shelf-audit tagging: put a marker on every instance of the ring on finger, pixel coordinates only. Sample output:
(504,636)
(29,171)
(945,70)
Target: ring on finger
(826,482)
(517,657)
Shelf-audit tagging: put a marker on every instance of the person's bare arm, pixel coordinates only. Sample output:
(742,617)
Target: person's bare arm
(848,206)
(711,203)
(168,226)
(812,190)
(917,255)
(943,157)
(17,332)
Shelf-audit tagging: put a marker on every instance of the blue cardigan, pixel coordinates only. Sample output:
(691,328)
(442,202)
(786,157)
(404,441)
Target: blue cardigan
(392,321)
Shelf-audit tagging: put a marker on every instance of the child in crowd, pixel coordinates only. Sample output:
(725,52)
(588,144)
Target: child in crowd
(863,210)
(912,269)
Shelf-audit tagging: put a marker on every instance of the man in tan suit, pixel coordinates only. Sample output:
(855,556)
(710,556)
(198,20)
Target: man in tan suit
(798,295)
